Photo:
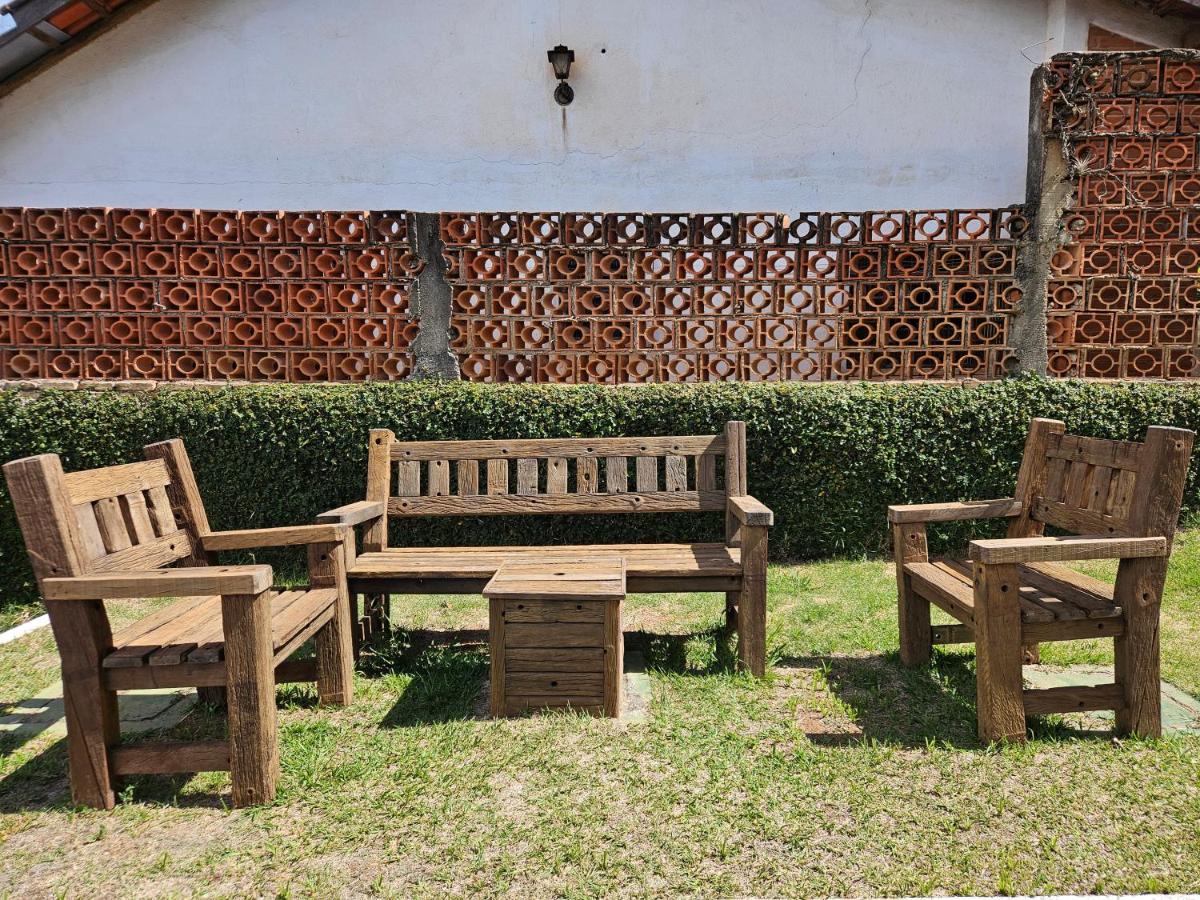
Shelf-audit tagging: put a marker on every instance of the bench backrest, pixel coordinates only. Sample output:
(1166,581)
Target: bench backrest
(141,515)
(555,475)
(1087,485)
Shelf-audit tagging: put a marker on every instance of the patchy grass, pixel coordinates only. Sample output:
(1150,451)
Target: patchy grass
(842,773)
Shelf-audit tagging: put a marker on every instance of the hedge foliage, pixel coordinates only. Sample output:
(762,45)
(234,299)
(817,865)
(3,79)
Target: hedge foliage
(827,458)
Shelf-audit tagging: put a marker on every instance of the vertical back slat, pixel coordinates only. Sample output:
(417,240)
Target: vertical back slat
(439,478)
(90,540)
(1120,494)
(647,473)
(137,517)
(1056,472)
(556,475)
(408,479)
(186,502)
(468,477)
(616,474)
(527,476)
(706,472)
(112,525)
(586,475)
(160,511)
(676,473)
(497,475)
(1078,480)
(1098,493)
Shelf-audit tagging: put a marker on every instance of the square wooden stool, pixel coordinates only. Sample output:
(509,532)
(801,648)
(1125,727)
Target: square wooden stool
(555,634)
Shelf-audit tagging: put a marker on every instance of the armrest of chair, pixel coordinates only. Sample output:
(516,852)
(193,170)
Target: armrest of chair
(353,513)
(954,512)
(1071,547)
(186,582)
(287,536)
(750,512)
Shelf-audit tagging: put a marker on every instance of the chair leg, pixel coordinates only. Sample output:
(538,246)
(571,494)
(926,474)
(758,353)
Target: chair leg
(335,659)
(1137,664)
(93,726)
(752,603)
(253,737)
(998,654)
(916,640)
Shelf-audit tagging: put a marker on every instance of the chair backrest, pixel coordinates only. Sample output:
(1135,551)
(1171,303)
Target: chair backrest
(141,515)
(555,475)
(1087,485)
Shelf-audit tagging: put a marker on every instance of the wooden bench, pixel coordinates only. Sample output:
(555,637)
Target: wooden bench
(115,533)
(1114,500)
(554,626)
(561,477)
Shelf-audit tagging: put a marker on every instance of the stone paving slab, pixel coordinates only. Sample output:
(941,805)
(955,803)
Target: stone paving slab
(1180,711)
(140,711)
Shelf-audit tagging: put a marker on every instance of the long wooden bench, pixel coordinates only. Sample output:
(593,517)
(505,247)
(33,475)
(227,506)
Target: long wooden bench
(1114,500)
(565,476)
(140,530)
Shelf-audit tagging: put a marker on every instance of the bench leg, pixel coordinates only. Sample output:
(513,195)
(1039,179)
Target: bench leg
(731,612)
(752,603)
(1136,658)
(250,675)
(213,695)
(93,726)
(335,659)
(916,640)
(998,654)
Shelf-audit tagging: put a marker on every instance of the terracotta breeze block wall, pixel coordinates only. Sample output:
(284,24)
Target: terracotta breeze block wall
(185,294)
(1124,293)
(633,297)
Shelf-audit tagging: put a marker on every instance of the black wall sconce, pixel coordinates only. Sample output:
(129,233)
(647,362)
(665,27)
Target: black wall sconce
(561,58)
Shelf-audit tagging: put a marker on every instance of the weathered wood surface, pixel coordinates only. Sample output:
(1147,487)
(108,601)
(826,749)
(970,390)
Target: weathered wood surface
(953,512)
(689,445)
(1065,548)
(287,536)
(185,582)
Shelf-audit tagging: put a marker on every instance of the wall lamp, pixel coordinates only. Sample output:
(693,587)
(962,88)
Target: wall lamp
(561,58)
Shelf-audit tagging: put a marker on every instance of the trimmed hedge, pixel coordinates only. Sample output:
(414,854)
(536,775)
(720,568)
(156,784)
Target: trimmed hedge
(827,458)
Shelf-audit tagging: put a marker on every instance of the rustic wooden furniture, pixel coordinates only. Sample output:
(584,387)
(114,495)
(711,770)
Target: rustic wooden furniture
(1115,500)
(112,533)
(555,634)
(563,476)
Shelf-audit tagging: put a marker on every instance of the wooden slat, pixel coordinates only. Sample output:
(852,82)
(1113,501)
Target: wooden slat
(1120,495)
(439,478)
(1083,591)
(706,472)
(153,554)
(647,474)
(1095,451)
(535,659)
(1031,611)
(1056,475)
(468,477)
(520,703)
(91,542)
(957,633)
(112,524)
(953,512)
(209,640)
(616,474)
(303,621)
(574,684)
(186,502)
(1098,492)
(282,536)
(185,675)
(676,473)
(112,481)
(684,445)
(1072,698)
(556,635)
(552,578)
(137,517)
(352,513)
(178,632)
(527,477)
(942,587)
(161,515)
(159,583)
(497,477)
(408,479)
(1070,547)
(546,611)
(1078,481)
(509,504)
(176,757)
(587,475)
(1079,521)
(556,475)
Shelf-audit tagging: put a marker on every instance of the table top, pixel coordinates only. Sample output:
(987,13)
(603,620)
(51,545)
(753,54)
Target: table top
(559,578)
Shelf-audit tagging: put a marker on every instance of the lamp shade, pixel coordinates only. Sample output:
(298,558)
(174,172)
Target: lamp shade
(561,58)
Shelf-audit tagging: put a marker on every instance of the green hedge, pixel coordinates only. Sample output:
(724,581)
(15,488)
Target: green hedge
(827,458)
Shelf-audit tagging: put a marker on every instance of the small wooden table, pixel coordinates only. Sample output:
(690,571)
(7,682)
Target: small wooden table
(555,634)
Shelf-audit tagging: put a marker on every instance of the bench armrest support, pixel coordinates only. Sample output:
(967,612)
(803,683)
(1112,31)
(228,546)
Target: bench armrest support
(954,512)
(185,582)
(287,536)
(353,513)
(750,512)
(1072,547)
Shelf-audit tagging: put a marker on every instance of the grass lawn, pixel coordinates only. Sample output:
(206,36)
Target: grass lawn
(841,773)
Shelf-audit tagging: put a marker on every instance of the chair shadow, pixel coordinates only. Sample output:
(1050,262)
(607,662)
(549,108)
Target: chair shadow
(917,707)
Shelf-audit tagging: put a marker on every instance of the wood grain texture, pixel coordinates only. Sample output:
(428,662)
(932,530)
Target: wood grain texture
(379,485)
(998,654)
(909,545)
(1068,547)
(90,485)
(160,583)
(286,536)
(614,658)
(497,647)
(187,505)
(1032,476)
(578,448)
(542,504)
(353,513)
(176,757)
(1072,698)
(333,642)
(749,511)
(752,602)
(953,512)
(253,739)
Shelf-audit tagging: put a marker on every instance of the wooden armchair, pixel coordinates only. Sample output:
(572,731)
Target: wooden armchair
(1117,500)
(111,533)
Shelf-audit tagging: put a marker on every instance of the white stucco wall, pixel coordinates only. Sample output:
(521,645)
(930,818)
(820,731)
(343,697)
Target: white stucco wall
(680,105)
